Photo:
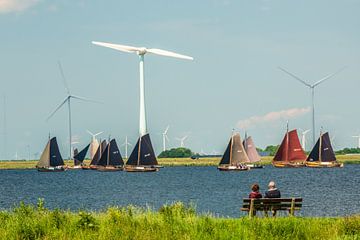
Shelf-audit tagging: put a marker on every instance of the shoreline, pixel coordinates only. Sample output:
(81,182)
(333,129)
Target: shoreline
(166,162)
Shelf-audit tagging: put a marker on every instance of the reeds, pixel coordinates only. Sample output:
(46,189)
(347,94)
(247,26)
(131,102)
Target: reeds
(175,221)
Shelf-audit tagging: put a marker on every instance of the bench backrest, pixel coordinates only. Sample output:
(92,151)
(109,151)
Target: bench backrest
(278,203)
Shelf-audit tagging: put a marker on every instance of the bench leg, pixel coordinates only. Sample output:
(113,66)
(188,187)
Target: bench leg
(251,211)
(292,209)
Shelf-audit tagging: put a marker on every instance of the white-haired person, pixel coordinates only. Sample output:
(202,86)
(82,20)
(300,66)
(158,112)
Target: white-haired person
(272,192)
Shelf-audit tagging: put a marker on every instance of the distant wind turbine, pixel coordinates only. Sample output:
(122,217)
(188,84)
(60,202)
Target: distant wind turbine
(358,137)
(182,141)
(94,143)
(126,144)
(312,88)
(68,100)
(141,51)
(303,139)
(165,137)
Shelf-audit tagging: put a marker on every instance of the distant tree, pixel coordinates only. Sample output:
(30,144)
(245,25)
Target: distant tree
(348,151)
(272,149)
(176,153)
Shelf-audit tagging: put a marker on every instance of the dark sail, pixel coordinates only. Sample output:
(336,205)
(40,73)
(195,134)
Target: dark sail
(314,154)
(143,153)
(115,158)
(79,157)
(98,152)
(55,156)
(327,152)
(103,161)
(226,157)
(290,148)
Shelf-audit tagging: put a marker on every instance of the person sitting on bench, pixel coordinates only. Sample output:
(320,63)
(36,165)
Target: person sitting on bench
(255,191)
(273,192)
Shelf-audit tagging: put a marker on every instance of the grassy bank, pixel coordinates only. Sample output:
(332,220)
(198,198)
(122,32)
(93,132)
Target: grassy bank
(347,159)
(170,222)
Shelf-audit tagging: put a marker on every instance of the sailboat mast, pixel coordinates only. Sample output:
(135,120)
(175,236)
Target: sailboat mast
(108,154)
(138,161)
(231,146)
(320,146)
(287,142)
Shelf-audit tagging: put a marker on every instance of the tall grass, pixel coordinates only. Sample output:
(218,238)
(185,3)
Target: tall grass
(176,221)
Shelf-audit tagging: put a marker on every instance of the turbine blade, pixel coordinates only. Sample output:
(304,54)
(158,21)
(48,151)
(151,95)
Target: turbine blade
(52,114)
(167,138)
(168,53)
(85,99)
(294,76)
(97,134)
(90,133)
(327,77)
(64,79)
(119,47)
(166,130)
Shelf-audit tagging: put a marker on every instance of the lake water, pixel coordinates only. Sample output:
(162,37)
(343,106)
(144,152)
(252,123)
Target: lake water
(325,192)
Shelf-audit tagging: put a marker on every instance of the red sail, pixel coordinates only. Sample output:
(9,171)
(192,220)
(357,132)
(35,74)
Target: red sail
(290,148)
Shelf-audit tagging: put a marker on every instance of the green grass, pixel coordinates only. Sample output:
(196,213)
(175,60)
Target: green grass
(176,221)
(347,159)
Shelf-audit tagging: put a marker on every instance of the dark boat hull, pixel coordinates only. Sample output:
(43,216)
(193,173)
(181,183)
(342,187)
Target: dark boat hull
(141,169)
(254,166)
(110,169)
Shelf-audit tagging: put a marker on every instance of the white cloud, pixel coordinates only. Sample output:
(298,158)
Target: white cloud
(7,6)
(272,117)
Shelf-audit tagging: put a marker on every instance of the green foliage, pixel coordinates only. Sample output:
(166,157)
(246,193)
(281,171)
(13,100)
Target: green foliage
(272,149)
(174,221)
(348,151)
(176,153)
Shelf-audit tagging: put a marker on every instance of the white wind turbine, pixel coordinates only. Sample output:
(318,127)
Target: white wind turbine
(141,51)
(68,100)
(165,137)
(94,143)
(303,139)
(358,137)
(182,141)
(312,88)
(126,144)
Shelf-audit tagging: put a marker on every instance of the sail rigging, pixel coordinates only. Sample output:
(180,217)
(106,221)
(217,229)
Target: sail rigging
(80,156)
(235,152)
(51,156)
(111,155)
(290,149)
(322,150)
(250,150)
(143,153)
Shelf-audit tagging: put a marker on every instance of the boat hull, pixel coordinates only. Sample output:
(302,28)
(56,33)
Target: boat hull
(254,166)
(324,164)
(110,169)
(51,169)
(288,164)
(141,169)
(233,168)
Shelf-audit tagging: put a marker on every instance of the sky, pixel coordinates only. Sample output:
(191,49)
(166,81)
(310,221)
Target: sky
(233,83)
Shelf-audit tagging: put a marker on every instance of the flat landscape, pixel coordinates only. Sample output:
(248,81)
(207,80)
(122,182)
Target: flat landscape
(168,162)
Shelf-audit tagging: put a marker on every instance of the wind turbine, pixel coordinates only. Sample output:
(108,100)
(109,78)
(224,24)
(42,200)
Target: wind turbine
(312,88)
(165,137)
(68,100)
(303,139)
(358,137)
(94,143)
(126,144)
(182,141)
(141,51)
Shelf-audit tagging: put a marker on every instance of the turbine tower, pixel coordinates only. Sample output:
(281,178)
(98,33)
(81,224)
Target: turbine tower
(312,88)
(165,137)
(182,141)
(68,100)
(358,137)
(303,139)
(94,143)
(126,144)
(141,51)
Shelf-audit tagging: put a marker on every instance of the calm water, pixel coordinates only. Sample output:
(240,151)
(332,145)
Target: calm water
(326,192)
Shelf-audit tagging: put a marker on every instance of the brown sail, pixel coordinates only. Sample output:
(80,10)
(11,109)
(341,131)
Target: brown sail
(251,151)
(290,152)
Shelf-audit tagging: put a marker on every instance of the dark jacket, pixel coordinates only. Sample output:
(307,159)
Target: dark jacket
(273,193)
(255,195)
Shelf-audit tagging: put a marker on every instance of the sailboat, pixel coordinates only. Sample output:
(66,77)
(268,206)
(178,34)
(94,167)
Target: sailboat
(51,160)
(252,153)
(290,153)
(322,155)
(234,155)
(142,158)
(79,157)
(96,158)
(111,159)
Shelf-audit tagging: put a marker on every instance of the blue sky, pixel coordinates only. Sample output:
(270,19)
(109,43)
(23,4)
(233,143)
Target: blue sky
(234,79)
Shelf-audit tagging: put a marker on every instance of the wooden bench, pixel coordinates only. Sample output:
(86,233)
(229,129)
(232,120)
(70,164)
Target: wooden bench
(273,205)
